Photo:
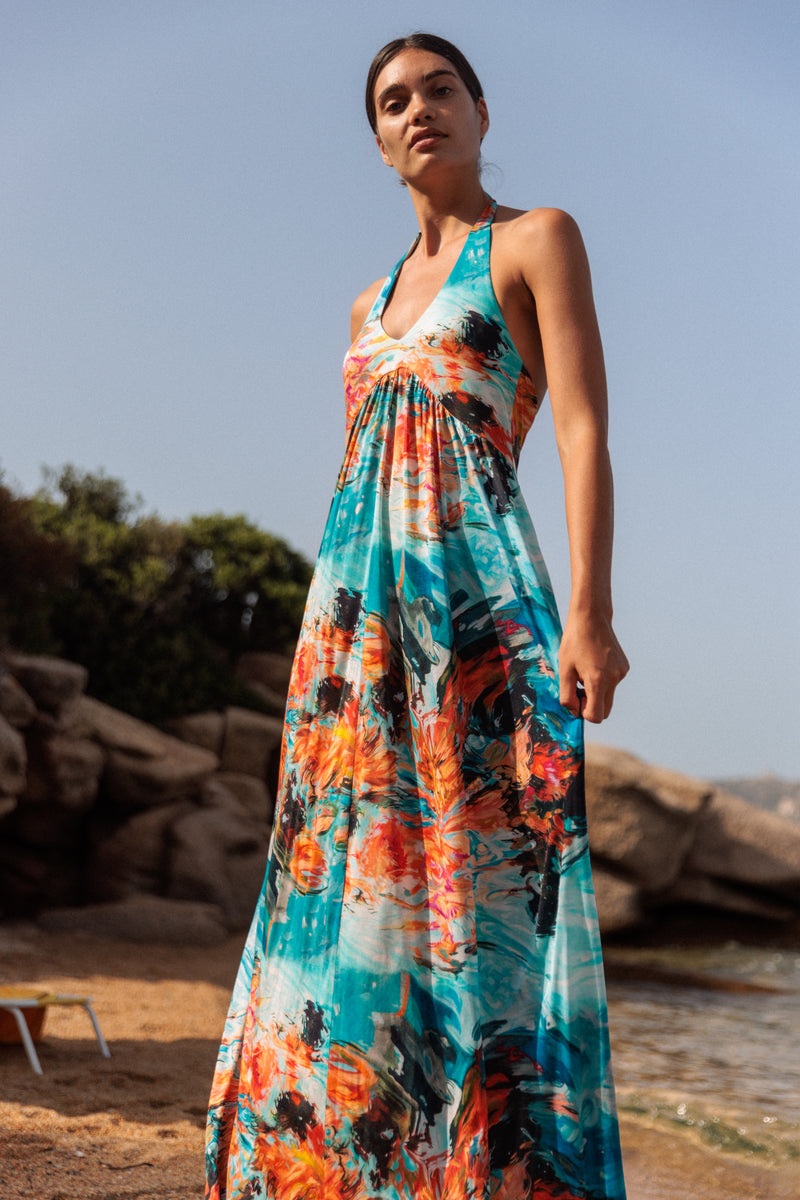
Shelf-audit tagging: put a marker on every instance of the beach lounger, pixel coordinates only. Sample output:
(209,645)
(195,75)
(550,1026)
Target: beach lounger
(27,1006)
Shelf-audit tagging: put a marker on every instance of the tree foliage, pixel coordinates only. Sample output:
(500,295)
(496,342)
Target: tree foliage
(34,565)
(158,611)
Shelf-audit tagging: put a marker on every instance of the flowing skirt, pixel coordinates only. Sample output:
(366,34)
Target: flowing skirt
(420,1009)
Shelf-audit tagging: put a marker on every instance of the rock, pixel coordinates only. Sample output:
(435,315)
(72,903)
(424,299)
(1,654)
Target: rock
(116,730)
(737,843)
(143,919)
(710,893)
(272,671)
(70,720)
(250,740)
(7,805)
(133,783)
(641,818)
(789,807)
(49,827)
(32,878)
(51,682)
(219,855)
(275,701)
(619,904)
(15,703)
(13,760)
(268,675)
(63,770)
(251,793)
(134,858)
(145,767)
(201,729)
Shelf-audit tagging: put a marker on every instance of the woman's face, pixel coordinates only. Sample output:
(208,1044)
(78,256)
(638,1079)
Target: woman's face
(427,120)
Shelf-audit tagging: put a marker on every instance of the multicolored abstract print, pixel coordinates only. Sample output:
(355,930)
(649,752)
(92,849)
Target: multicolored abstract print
(420,1010)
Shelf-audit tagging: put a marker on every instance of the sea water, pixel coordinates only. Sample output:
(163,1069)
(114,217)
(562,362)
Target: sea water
(724,1065)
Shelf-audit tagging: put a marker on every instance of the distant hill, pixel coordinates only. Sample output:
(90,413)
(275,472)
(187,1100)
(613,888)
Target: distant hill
(776,795)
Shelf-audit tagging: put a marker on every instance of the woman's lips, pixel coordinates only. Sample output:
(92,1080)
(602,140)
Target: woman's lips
(426,137)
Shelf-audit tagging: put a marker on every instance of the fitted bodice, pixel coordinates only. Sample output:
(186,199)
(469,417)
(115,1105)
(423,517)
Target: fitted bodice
(459,350)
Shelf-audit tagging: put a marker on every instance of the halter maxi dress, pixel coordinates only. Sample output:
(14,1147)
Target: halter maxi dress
(420,1009)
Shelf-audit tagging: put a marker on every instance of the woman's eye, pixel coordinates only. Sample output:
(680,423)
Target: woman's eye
(443,90)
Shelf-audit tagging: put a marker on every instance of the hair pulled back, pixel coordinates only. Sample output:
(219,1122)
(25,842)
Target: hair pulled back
(419,41)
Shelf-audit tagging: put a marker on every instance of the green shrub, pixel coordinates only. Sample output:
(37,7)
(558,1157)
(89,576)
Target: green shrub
(157,611)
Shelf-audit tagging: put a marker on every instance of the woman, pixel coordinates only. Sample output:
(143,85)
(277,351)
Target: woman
(420,1010)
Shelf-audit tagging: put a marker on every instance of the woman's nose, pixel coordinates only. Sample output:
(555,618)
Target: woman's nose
(420,109)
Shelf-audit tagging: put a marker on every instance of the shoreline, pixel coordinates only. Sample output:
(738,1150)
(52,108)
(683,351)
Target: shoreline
(131,1127)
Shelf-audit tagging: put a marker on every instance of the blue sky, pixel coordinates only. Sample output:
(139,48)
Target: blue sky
(191,199)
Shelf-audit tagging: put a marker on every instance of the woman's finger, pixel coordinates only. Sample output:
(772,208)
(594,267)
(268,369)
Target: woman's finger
(568,691)
(594,704)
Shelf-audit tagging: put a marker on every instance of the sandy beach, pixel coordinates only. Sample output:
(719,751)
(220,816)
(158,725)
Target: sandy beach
(131,1127)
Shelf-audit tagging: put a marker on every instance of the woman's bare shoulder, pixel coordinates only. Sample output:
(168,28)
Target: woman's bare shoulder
(362,305)
(540,240)
(540,223)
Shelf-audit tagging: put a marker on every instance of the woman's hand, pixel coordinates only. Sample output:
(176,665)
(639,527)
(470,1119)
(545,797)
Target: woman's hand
(591,663)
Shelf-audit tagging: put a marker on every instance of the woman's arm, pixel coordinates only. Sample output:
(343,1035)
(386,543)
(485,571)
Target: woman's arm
(556,270)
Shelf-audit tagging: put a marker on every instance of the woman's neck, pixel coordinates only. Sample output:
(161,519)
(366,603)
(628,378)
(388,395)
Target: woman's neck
(443,213)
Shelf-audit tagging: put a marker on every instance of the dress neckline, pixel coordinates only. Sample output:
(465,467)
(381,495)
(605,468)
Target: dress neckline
(486,218)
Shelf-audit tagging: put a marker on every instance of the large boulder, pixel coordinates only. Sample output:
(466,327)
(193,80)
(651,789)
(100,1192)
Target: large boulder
(205,729)
(142,919)
(700,891)
(270,671)
(251,740)
(745,846)
(13,761)
(145,767)
(51,682)
(268,675)
(134,783)
(642,819)
(15,703)
(619,900)
(134,857)
(48,827)
(63,770)
(36,877)
(68,721)
(218,855)
(253,795)
(115,730)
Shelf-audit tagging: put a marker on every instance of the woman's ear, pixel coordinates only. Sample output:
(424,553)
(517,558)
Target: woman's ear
(383,153)
(483,113)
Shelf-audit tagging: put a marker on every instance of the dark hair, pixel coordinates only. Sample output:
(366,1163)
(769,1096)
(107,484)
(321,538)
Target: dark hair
(419,41)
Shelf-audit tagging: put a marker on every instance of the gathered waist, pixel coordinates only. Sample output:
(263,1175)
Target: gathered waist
(403,388)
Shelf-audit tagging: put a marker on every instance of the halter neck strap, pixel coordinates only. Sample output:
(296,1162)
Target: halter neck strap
(488,214)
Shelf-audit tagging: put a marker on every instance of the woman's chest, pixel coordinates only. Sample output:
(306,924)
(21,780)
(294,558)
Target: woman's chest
(416,286)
